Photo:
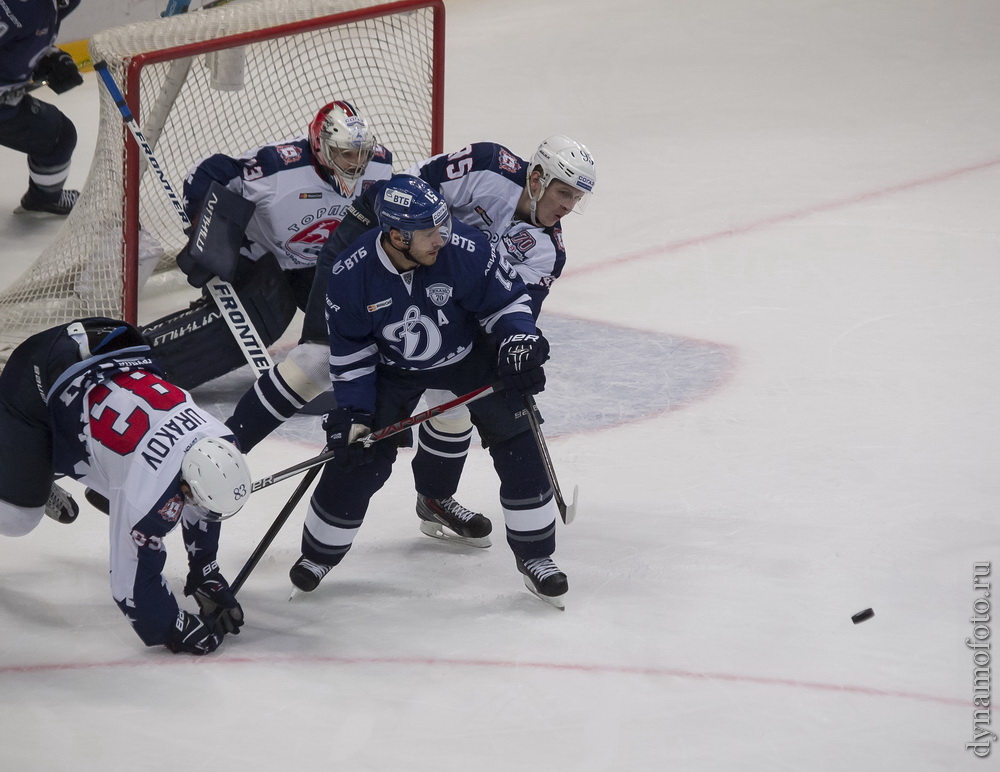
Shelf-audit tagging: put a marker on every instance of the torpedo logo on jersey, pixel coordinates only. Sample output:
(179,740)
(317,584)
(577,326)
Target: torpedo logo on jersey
(307,243)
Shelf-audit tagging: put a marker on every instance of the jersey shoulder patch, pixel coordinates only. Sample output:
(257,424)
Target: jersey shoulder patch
(277,157)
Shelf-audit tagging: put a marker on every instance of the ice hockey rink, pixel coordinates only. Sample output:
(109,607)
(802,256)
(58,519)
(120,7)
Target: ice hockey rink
(775,379)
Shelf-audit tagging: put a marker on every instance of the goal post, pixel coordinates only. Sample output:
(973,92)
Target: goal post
(223,80)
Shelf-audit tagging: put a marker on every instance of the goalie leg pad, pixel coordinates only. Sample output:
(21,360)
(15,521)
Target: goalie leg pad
(196,345)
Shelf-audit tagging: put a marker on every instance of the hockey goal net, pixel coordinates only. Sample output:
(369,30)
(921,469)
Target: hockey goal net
(222,81)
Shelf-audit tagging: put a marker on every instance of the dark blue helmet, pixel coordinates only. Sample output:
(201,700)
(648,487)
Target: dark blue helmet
(409,204)
(99,335)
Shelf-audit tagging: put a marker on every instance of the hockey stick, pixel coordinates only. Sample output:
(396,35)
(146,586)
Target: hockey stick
(175,7)
(375,436)
(315,464)
(566,512)
(272,532)
(236,317)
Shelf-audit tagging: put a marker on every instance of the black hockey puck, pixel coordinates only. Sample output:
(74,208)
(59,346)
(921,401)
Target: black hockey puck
(861,616)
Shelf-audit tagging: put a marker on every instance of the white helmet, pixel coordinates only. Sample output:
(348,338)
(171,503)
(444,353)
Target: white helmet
(338,129)
(566,160)
(217,475)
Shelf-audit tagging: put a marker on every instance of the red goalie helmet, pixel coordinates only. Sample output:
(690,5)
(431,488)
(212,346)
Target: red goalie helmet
(343,142)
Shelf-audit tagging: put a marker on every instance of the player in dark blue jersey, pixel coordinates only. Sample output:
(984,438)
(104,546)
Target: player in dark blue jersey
(422,304)
(519,205)
(28,55)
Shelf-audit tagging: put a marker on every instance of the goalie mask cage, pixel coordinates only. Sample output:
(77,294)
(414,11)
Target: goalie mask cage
(223,80)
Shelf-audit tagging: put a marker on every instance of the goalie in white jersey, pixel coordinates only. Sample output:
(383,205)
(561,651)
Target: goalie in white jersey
(87,401)
(290,196)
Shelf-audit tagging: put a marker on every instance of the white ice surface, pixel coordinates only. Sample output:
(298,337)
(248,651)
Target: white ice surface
(775,379)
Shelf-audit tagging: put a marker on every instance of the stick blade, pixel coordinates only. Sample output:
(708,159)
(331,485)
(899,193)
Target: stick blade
(568,511)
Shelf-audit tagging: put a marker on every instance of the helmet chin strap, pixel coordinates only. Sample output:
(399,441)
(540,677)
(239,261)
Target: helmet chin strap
(533,200)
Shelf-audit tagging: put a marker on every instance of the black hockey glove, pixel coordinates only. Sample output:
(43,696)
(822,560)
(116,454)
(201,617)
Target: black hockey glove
(193,634)
(216,600)
(343,426)
(216,237)
(197,276)
(58,70)
(519,363)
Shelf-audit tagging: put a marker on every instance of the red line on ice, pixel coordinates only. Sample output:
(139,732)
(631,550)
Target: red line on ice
(599,669)
(780,219)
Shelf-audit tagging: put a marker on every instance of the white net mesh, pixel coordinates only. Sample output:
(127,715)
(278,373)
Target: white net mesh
(251,91)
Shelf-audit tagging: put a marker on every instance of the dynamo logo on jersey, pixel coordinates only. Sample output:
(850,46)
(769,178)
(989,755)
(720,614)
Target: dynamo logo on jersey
(418,337)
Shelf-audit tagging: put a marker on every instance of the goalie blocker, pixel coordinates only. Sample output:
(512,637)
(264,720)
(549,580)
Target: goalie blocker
(213,247)
(196,345)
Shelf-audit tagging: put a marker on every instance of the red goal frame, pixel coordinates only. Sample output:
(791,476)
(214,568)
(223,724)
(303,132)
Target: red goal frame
(130,258)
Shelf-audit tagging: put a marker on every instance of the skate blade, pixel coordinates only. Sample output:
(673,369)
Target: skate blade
(34,213)
(60,515)
(557,601)
(437,531)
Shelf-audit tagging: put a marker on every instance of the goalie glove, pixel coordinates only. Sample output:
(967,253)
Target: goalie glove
(58,70)
(519,363)
(215,599)
(216,236)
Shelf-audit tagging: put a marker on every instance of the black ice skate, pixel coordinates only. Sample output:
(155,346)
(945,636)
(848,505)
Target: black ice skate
(544,579)
(448,520)
(306,575)
(60,506)
(97,501)
(61,205)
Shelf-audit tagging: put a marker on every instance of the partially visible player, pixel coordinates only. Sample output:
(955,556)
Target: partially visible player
(28,56)
(519,205)
(417,304)
(87,401)
(299,190)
